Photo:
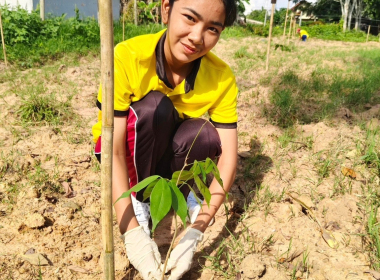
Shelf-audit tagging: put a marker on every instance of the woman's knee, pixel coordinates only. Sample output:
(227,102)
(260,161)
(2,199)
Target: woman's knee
(156,104)
(204,135)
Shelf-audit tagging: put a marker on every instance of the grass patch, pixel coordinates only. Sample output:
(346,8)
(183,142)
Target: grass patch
(39,108)
(304,99)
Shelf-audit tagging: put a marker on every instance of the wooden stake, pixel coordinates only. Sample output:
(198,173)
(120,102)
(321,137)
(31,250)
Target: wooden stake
(290,28)
(135,11)
(42,9)
(107,82)
(270,33)
(369,28)
(286,19)
(123,24)
(3,42)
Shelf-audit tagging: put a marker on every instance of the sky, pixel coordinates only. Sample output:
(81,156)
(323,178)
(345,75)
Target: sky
(257,4)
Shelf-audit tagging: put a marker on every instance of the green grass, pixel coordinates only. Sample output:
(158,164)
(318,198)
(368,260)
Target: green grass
(300,99)
(31,42)
(38,108)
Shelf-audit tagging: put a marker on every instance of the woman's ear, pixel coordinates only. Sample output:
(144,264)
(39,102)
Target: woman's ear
(165,8)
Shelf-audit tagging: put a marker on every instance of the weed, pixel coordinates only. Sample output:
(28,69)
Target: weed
(242,53)
(373,228)
(37,108)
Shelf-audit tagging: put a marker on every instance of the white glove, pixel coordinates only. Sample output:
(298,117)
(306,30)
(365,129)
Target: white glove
(182,256)
(143,253)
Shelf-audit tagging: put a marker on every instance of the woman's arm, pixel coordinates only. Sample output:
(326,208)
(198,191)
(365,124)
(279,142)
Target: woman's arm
(227,168)
(120,182)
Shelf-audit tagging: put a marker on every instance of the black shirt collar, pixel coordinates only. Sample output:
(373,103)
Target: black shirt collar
(160,67)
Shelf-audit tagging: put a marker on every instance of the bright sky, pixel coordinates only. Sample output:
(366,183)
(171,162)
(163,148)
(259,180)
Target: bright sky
(257,4)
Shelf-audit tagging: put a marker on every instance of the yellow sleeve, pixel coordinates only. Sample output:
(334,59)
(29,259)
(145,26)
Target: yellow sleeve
(224,109)
(124,61)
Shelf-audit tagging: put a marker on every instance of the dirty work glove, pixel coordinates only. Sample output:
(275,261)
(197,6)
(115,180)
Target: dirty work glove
(143,253)
(182,256)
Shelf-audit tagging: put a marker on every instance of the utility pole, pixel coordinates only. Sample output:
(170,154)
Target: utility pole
(300,19)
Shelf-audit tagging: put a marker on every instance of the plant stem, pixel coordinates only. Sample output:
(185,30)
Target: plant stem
(175,215)
(170,248)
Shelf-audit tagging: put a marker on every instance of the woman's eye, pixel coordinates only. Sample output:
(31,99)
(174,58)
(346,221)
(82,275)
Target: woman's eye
(213,29)
(189,17)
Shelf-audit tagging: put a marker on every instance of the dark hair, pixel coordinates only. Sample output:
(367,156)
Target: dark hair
(229,7)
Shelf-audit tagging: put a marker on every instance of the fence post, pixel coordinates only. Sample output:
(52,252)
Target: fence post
(107,83)
(270,33)
(3,42)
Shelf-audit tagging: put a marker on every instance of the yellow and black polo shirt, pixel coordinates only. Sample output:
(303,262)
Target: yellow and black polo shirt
(139,69)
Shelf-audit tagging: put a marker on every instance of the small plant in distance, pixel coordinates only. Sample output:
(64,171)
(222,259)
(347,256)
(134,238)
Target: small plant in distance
(165,194)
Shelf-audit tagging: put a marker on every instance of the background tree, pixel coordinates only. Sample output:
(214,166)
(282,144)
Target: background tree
(326,10)
(372,8)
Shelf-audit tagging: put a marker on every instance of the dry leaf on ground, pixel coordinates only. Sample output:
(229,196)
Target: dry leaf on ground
(374,273)
(68,190)
(78,269)
(348,172)
(330,239)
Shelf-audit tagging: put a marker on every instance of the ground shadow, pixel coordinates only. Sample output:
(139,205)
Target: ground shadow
(252,166)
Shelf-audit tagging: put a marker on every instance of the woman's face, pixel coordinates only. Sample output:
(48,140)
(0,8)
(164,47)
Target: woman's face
(194,27)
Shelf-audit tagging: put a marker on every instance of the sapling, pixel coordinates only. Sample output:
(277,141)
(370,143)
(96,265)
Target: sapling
(165,194)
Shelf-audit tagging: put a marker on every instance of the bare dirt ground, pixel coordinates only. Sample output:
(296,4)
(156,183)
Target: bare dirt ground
(50,184)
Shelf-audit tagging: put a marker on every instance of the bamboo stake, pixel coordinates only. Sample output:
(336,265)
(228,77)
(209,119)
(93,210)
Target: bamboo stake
(107,81)
(290,28)
(42,9)
(3,42)
(286,19)
(270,33)
(369,28)
(123,24)
(135,11)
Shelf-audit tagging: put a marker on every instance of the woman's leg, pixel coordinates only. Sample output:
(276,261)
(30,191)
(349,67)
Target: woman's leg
(150,128)
(207,144)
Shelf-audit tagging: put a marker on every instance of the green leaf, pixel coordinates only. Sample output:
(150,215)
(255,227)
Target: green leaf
(203,189)
(138,187)
(178,202)
(202,169)
(209,165)
(149,190)
(195,168)
(185,176)
(160,201)
(217,177)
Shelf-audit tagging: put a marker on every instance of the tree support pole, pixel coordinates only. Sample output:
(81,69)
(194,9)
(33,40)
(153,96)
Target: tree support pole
(369,29)
(123,24)
(286,19)
(107,81)
(135,11)
(42,9)
(270,33)
(290,28)
(3,42)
